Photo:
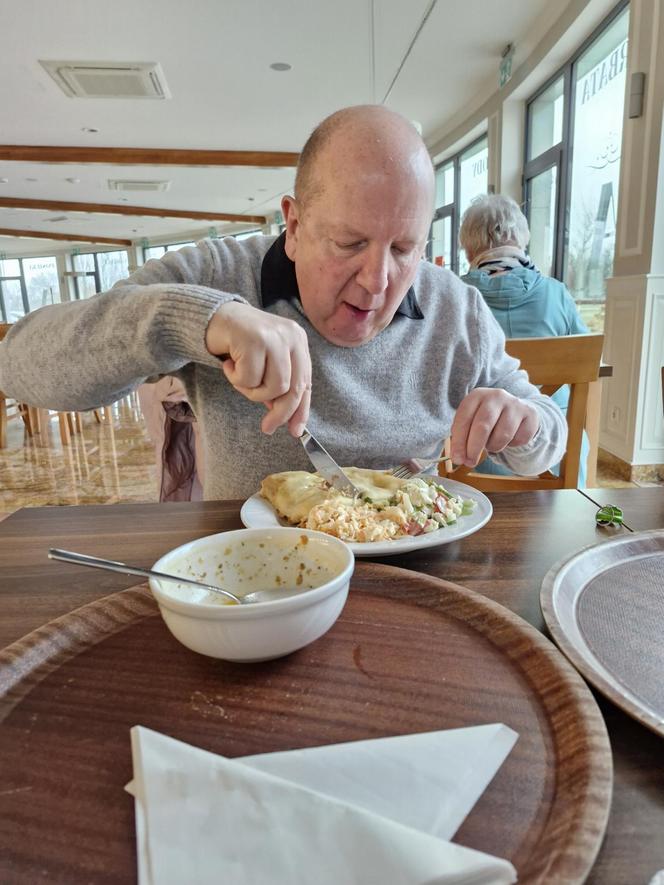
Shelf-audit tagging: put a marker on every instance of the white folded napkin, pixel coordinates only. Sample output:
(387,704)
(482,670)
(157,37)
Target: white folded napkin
(363,813)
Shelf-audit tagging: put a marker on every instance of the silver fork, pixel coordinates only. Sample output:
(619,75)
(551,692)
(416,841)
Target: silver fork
(414,466)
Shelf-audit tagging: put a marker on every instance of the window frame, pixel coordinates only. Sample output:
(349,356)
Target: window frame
(96,273)
(561,154)
(170,246)
(85,273)
(24,288)
(453,210)
(167,247)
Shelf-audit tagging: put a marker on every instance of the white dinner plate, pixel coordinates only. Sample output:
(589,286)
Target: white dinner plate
(257,513)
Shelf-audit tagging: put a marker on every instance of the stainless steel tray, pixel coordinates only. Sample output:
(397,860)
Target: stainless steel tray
(604,607)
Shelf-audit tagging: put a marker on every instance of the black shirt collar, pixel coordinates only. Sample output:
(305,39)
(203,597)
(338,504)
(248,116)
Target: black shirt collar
(278,281)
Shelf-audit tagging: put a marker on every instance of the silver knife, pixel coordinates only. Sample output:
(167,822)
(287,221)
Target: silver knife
(326,465)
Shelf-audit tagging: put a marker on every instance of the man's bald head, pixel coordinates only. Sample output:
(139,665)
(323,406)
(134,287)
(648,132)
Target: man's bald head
(358,139)
(357,226)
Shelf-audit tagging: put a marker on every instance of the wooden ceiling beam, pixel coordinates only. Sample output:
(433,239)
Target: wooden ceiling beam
(113,209)
(46,235)
(144,156)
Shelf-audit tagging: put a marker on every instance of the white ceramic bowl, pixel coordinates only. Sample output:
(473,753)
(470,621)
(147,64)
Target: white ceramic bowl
(254,559)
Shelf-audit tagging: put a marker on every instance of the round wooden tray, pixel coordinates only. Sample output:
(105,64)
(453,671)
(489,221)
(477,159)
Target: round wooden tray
(409,653)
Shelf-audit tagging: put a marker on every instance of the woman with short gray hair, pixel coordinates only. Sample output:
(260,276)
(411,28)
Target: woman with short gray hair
(494,223)
(494,233)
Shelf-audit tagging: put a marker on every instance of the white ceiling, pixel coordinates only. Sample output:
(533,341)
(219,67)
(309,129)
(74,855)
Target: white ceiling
(215,55)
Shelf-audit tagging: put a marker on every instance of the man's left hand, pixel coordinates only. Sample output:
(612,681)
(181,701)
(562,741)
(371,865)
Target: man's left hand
(492,419)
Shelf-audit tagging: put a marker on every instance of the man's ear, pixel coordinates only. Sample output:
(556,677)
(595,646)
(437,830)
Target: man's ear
(289,209)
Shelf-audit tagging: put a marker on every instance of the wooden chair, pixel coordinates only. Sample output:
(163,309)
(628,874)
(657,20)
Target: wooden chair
(550,363)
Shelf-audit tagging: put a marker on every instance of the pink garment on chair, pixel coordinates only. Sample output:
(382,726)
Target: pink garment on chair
(173,429)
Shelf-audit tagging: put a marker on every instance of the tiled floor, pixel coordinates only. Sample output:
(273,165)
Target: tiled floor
(607,479)
(106,463)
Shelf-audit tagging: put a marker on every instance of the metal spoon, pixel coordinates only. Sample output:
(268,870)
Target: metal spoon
(112,566)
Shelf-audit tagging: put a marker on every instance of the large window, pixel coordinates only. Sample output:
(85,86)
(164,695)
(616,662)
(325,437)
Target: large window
(98,271)
(574,131)
(25,285)
(458,180)
(113,266)
(160,251)
(86,280)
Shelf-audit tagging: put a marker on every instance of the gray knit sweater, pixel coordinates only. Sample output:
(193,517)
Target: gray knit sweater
(372,405)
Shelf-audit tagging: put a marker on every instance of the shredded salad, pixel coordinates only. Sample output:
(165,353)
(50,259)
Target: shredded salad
(421,505)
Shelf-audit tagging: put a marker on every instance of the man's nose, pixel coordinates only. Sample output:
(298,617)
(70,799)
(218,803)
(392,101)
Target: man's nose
(373,274)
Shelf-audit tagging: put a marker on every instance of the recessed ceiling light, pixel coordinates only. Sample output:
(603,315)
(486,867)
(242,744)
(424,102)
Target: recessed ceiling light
(89,129)
(4,180)
(73,180)
(31,179)
(280,66)
(251,199)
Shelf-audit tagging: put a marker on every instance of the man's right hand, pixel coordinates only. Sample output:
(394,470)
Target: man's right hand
(266,358)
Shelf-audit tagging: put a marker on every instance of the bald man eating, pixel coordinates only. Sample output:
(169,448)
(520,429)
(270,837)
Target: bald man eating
(338,322)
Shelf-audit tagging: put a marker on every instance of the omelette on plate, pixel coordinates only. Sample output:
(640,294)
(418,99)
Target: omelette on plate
(388,508)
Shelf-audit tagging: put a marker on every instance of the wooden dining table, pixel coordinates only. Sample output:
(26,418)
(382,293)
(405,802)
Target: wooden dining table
(505,561)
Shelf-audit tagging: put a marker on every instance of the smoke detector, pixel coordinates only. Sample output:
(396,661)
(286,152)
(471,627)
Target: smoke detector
(108,79)
(118,184)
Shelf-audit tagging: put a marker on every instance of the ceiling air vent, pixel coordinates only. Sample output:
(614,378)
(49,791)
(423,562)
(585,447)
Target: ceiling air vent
(108,79)
(117,184)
